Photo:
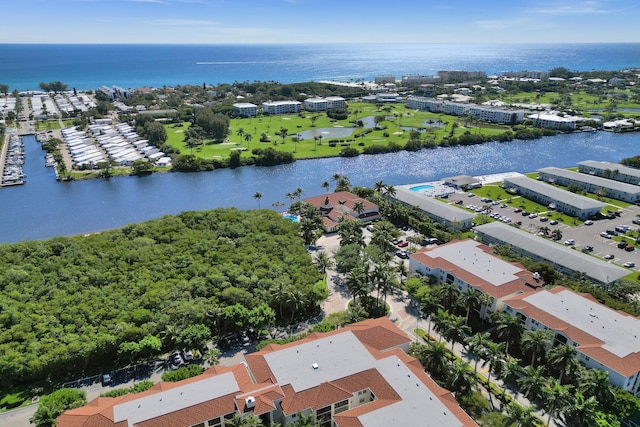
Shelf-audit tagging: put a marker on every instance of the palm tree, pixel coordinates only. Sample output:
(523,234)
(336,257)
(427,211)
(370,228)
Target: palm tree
(357,282)
(532,381)
(429,305)
(476,345)
(440,321)
(241,132)
(212,356)
(283,132)
(324,261)
(258,196)
(471,299)
(326,186)
(436,359)
(401,269)
(460,378)
(563,359)
(455,329)
(295,301)
(493,355)
(448,293)
(486,301)
(298,193)
(305,420)
(582,412)
(358,208)
(247,138)
(595,382)
(511,370)
(390,191)
(556,397)
(536,342)
(244,420)
(279,294)
(521,416)
(379,187)
(508,328)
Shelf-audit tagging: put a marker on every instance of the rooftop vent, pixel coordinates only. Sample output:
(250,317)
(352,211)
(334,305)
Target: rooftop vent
(315,366)
(250,402)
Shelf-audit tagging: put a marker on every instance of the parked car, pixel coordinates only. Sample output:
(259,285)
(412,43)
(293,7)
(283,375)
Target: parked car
(622,245)
(106,379)
(403,244)
(402,254)
(553,222)
(636,221)
(629,248)
(605,235)
(503,205)
(176,359)
(629,264)
(588,248)
(588,222)
(622,228)
(516,210)
(569,242)
(518,222)
(188,355)
(609,256)
(544,219)
(533,215)
(525,213)
(612,232)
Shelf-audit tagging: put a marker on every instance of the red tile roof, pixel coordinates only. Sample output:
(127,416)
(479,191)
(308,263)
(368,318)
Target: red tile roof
(424,257)
(341,204)
(380,337)
(588,344)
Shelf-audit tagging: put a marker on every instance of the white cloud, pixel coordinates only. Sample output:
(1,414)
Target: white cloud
(574,8)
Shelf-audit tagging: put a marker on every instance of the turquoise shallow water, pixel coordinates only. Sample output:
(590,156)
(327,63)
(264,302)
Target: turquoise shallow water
(90,66)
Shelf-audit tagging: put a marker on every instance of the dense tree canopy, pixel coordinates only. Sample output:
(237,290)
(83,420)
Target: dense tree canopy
(67,304)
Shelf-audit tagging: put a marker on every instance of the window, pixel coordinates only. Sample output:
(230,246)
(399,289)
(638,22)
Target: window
(341,406)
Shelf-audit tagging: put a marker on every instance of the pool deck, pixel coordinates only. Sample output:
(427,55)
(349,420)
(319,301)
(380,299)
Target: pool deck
(440,189)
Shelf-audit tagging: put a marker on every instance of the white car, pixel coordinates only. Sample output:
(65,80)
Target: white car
(570,242)
(588,222)
(629,264)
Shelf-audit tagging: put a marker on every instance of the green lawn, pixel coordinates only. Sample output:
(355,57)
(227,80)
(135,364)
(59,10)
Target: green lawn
(494,192)
(396,117)
(47,125)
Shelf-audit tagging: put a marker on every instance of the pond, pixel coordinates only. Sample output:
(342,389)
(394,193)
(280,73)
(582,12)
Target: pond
(336,132)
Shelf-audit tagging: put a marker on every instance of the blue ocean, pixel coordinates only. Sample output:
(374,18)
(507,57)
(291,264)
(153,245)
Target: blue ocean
(23,66)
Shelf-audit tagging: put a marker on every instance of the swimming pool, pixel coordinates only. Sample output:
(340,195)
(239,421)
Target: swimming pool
(422,187)
(293,218)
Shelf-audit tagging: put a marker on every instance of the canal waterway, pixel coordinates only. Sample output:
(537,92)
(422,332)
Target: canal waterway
(45,208)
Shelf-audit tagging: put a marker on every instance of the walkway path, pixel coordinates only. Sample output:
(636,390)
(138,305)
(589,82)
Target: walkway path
(405,314)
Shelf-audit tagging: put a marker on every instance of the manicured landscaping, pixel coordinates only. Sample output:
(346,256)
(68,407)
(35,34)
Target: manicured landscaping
(492,191)
(300,130)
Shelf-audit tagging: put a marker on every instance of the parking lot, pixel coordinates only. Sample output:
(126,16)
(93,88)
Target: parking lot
(583,235)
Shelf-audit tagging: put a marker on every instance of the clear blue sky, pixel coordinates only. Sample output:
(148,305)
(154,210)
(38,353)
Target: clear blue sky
(319,21)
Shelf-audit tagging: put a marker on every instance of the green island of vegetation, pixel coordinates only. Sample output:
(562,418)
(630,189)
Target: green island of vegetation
(76,305)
